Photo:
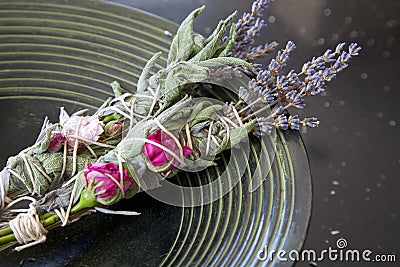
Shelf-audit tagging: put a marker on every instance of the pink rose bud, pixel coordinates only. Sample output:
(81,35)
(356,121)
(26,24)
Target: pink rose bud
(113,128)
(101,181)
(158,158)
(56,142)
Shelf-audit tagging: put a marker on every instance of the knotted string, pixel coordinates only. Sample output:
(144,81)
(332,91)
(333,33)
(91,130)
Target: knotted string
(27,227)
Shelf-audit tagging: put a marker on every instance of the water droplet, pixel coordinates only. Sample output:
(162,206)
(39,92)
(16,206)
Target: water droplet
(386,54)
(207,30)
(383,176)
(378,185)
(335,182)
(354,34)
(358,133)
(327,12)
(335,232)
(342,103)
(364,76)
(348,20)
(168,33)
(367,199)
(335,37)
(392,123)
(333,192)
(386,88)
(271,19)
(371,42)
(326,104)
(367,190)
(326,241)
(335,128)
(390,40)
(379,115)
(390,24)
(321,41)
(393,215)
(343,164)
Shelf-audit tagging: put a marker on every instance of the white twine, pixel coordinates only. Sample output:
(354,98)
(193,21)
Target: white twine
(172,136)
(64,166)
(165,149)
(116,212)
(76,144)
(90,141)
(237,116)
(118,111)
(121,176)
(71,200)
(231,122)
(27,227)
(214,139)
(90,150)
(154,100)
(188,136)
(227,128)
(22,154)
(3,191)
(42,172)
(209,138)
(133,100)
(62,215)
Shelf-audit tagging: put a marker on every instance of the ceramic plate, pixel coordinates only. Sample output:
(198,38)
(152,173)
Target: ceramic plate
(66,53)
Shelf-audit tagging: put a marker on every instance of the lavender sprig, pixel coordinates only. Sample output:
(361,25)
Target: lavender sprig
(248,28)
(271,89)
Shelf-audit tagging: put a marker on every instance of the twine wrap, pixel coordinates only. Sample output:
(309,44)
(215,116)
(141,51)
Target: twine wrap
(27,227)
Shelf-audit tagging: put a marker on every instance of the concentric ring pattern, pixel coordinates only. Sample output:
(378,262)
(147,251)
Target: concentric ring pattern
(66,53)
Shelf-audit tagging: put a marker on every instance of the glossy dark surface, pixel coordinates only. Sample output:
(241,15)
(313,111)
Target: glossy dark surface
(354,154)
(66,54)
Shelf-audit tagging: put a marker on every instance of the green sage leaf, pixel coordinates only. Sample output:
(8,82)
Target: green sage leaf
(183,43)
(213,41)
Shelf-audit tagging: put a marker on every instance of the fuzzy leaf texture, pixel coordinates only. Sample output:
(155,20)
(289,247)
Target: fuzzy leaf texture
(183,42)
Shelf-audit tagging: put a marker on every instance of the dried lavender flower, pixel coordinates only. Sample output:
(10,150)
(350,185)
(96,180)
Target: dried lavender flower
(294,122)
(263,126)
(249,27)
(281,122)
(270,88)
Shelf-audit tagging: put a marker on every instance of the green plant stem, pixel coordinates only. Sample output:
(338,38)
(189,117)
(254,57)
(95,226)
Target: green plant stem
(48,219)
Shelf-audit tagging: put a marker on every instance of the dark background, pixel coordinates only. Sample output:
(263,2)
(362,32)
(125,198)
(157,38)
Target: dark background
(355,153)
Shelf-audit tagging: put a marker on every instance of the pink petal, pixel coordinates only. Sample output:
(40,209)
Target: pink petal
(159,160)
(186,151)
